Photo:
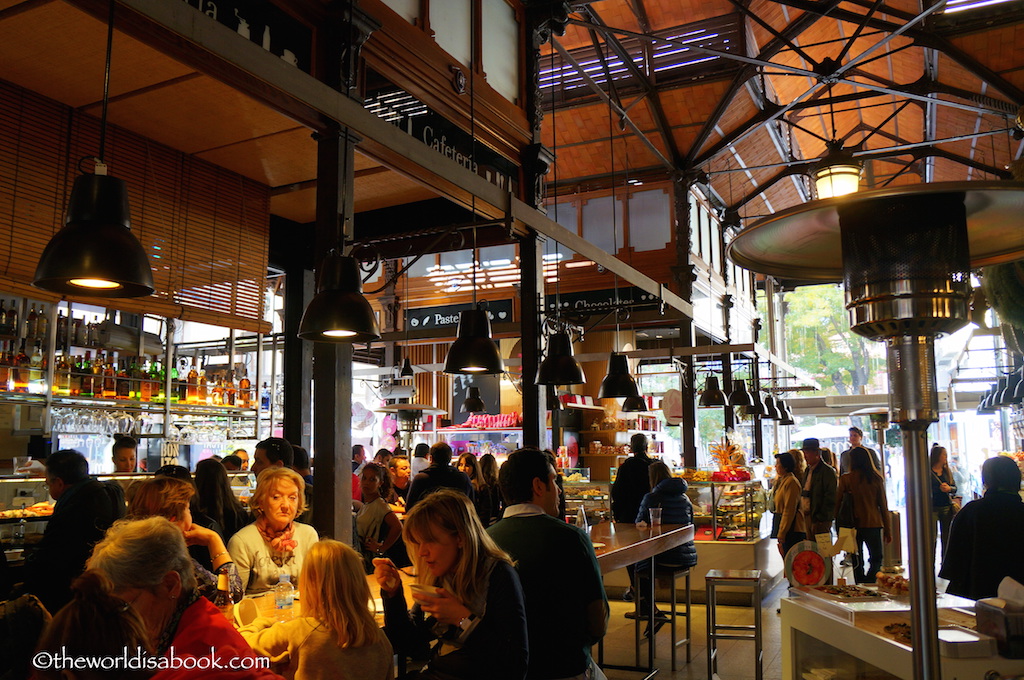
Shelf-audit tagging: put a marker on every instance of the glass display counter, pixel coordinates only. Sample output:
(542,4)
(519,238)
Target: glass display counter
(728,511)
(594,497)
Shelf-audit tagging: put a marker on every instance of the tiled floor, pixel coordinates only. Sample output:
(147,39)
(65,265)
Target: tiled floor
(735,657)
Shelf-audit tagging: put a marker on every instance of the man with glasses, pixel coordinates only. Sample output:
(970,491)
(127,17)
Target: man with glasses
(85,509)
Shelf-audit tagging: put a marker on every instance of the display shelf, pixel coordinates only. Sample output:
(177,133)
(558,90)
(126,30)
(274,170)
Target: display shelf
(816,644)
(728,511)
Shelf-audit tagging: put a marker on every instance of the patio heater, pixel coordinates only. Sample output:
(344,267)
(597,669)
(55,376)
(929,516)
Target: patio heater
(904,255)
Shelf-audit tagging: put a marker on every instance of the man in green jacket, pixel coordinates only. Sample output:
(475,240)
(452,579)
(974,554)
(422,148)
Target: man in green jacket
(818,500)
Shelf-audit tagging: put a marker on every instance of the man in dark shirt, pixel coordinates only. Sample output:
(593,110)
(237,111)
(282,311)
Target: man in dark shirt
(564,617)
(438,475)
(856,439)
(631,482)
(85,509)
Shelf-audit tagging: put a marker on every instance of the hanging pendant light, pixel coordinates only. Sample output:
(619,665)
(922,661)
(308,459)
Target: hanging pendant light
(837,173)
(618,382)
(339,312)
(473,402)
(95,254)
(473,350)
(560,366)
(756,407)
(786,412)
(985,405)
(1018,393)
(406,371)
(771,410)
(633,404)
(712,394)
(739,395)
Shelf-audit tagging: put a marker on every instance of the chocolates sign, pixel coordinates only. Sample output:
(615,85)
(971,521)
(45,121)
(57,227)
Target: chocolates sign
(265,24)
(498,311)
(600,301)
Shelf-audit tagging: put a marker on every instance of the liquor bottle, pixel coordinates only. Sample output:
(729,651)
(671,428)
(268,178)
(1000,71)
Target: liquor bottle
(146,392)
(204,395)
(122,382)
(74,377)
(88,388)
(265,397)
(12,320)
(180,394)
(5,366)
(229,389)
(156,378)
(62,377)
(218,393)
(21,369)
(62,331)
(109,379)
(222,601)
(244,392)
(81,335)
(3,319)
(42,323)
(192,391)
(30,322)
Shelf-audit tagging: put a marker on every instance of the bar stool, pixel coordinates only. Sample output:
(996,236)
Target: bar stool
(673,575)
(733,577)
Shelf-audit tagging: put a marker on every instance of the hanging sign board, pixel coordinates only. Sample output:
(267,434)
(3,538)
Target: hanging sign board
(499,311)
(265,24)
(600,301)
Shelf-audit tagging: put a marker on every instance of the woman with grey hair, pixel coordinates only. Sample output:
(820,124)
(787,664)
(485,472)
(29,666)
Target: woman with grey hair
(150,570)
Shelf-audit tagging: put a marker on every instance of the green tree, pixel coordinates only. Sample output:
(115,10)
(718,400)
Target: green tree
(819,339)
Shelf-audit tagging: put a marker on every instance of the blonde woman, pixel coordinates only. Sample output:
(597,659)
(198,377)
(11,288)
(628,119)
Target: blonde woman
(275,543)
(336,636)
(171,498)
(472,600)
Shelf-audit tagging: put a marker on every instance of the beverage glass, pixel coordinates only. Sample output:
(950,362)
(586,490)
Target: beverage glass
(655,517)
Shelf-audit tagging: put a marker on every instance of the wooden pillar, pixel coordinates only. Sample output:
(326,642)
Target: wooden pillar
(531,309)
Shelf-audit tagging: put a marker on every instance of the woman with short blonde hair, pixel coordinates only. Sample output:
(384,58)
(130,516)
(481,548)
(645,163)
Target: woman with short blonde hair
(275,543)
(472,599)
(336,636)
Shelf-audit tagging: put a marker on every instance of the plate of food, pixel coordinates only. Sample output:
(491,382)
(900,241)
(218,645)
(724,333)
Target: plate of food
(847,593)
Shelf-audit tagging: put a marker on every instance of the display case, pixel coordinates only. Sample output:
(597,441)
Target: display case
(728,511)
(594,497)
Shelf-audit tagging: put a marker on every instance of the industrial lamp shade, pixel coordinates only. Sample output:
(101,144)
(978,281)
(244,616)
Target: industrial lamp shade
(985,405)
(406,371)
(739,395)
(785,412)
(473,402)
(473,350)
(837,174)
(712,394)
(339,312)
(95,254)
(559,366)
(618,382)
(756,407)
(771,409)
(633,404)
(1018,394)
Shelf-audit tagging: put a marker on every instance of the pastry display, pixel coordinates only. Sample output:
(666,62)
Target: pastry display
(41,509)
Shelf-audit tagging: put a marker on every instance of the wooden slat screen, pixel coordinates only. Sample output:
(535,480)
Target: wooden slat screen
(205,229)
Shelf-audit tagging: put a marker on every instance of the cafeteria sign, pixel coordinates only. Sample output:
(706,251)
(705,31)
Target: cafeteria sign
(448,315)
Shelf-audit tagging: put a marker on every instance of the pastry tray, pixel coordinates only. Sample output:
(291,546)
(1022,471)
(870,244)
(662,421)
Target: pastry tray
(847,611)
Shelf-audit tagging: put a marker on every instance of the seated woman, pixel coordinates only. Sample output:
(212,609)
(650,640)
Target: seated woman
(474,604)
(150,572)
(217,500)
(275,543)
(170,498)
(336,635)
(94,624)
(377,526)
(669,494)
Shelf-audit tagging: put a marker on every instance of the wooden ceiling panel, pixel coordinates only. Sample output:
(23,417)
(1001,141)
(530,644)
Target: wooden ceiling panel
(740,110)
(775,15)
(386,189)
(297,206)
(58,51)
(197,115)
(1000,48)
(594,159)
(293,153)
(671,13)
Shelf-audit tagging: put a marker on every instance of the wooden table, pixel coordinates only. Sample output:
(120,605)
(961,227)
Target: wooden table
(265,601)
(618,545)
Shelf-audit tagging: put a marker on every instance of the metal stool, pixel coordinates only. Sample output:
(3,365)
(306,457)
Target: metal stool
(673,575)
(733,577)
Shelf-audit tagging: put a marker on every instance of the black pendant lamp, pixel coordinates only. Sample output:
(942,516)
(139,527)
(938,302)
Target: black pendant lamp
(560,366)
(999,395)
(633,404)
(473,350)
(406,371)
(618,382)
(339,312)
(771,409)
(712,394)
(95,254)
(473,402)
(1018,393)
(786,412)
(739,395)
(756,407)
(985,405)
